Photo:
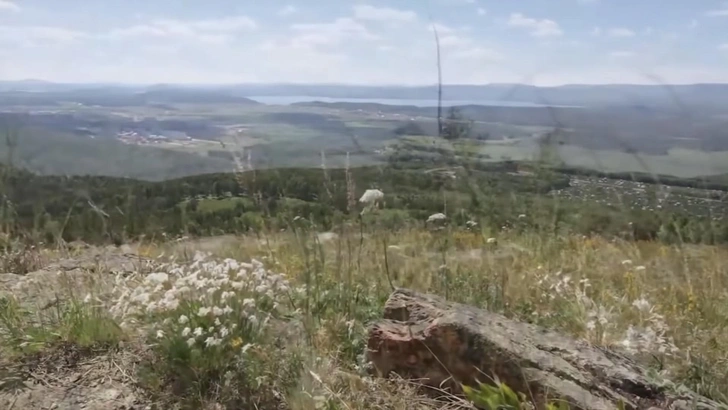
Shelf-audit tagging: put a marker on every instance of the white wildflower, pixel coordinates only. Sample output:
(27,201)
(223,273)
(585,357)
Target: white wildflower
(183,320)
(203,311)
(627,262)
(198,332)
(186,332)
(212,341)
(642,304)
(640,268)
(191,341)
(160,334)
(157,277)
(491,240)
(438,217)
(371,196)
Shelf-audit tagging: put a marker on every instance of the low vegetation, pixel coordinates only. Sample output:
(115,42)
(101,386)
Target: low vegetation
(277,317)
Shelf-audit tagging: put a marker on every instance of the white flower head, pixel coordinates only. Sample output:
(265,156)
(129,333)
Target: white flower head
(642,304)
(183,320)
(436,217)
(371,196)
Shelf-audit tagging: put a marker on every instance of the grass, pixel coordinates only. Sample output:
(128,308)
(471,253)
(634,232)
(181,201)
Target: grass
(84,324)
(666,304)
(298,340)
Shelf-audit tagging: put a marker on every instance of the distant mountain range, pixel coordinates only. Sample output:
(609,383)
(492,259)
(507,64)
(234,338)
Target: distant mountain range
(708,95)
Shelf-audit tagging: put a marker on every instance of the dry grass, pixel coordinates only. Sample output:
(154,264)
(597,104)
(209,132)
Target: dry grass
(667,304)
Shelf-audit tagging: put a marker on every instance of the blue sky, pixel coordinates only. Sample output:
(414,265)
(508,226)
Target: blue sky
(545,42)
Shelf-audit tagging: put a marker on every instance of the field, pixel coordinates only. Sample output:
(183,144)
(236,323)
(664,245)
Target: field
(209,135)
(244,267)
(661,303)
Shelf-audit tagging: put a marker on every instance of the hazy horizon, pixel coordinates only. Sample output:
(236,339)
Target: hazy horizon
(349,84)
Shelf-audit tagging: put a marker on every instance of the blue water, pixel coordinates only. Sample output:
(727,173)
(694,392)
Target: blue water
(287,100)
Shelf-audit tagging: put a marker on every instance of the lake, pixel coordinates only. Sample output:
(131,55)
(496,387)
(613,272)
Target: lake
(287,100)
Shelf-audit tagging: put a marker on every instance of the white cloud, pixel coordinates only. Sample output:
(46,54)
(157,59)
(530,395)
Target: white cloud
(723,47)
(442,29)
(212,31)
(596,31)
(722,12)
(36,35)
(7,5)
(479,53)
(620,32)
(693,24)
(287,10)
(367,12)
(236,23)
(335,32)
(537,28)
(621,54)
(482,11)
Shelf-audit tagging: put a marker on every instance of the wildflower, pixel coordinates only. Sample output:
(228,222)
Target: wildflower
(641,304)
(186,332)
(212,341)
(438,217)
(224,331)
(371,196)
(627,262)
(216,311)
(236,342)
(183,320)
(227,310)
(158,277)
(640,268)
(491,240)
(204,311)
(198,332)
(191,341)
(160,334)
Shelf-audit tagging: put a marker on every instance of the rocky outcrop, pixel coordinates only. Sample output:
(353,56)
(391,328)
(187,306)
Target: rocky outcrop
(442,344)
(90,271)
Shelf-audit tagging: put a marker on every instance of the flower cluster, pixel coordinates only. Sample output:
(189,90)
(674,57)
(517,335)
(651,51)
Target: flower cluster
(208,303)
(609,319)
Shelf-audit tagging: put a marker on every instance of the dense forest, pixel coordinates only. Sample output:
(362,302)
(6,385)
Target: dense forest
(103,209)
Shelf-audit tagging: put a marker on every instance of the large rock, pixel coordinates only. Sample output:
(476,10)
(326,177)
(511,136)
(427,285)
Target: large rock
(442,344)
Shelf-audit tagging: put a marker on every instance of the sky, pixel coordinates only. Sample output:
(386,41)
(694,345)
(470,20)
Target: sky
(541,42)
